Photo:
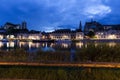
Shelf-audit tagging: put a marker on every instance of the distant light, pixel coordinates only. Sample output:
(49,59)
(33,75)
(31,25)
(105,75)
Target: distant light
(111,37)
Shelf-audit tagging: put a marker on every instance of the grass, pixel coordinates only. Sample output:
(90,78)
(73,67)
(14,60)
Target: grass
(58,73)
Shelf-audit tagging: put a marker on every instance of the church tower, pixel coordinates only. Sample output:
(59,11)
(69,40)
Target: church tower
(80,26)
(24,25)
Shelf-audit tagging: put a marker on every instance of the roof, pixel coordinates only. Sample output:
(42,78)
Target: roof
(2,31)
(8,23)
(62,31)
(34,32)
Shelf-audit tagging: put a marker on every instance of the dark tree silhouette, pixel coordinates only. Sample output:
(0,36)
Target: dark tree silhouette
(91,34)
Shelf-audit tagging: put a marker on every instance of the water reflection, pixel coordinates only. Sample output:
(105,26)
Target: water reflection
(46,47)
(72,55)
(79,44)
(1,44)
(112,44)
(10,44)
(65,45)
(50,46)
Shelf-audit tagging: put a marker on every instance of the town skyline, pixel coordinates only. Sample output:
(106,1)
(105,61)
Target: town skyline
(79,26)
(47,15)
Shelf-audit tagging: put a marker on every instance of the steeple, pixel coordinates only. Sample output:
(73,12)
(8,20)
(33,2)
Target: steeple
(80,26)
(24,25)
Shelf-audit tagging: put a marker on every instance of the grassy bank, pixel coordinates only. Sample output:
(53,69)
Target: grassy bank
(58,73)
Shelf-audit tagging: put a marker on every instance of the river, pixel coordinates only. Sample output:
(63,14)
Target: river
(56,46)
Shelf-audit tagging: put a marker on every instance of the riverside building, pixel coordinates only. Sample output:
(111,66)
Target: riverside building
(12,31)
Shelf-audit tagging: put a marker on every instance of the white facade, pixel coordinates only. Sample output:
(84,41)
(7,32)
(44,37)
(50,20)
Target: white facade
(60,36)
(79,35)
(36,36)
(21,36)
(111,34)
(1,37)
(66,36)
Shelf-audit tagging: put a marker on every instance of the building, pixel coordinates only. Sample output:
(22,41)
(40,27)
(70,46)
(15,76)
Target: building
(111,27)
(9,25)
(110,34)
(34,35)
(66,34)
(102,31)
(12,31)
(61,34)
(92,26)
(24,25)
(79,35)
(29,36)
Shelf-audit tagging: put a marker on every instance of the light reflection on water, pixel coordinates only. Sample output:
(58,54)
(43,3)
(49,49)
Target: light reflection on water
(48,46)
(112,44)
(79,44)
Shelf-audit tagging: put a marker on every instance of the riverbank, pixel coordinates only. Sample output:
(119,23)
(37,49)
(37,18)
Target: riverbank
(57,73)
(87,65)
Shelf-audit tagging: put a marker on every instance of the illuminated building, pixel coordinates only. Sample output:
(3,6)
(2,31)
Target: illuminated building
(93,25)
(66,34)
(18,32)
(111,34)
(61,34)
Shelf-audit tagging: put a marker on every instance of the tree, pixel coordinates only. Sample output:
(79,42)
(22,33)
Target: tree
(91,34)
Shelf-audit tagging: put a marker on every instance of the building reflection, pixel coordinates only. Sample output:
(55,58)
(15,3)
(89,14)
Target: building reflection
(10,44)
(1,44)
(65,45)
(52,45)
(112,44)
(56,46)
(79,44)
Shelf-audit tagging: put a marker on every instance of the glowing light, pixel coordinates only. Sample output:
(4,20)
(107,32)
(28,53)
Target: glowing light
(111,37)
(37,45)
(43,37)
(34,37)
(43,44)
(65,45)
(30,45)
(1,44)
(112,44)
(10,36)
(79,45)
(1,37)
(65,37)
(51,45)
(10,44)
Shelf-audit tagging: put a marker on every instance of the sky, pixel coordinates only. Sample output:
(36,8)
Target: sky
(48,15)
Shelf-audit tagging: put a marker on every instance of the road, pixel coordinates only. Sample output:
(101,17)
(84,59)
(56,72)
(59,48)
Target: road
(90,64)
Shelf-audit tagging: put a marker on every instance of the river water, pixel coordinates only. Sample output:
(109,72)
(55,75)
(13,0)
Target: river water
(56,46)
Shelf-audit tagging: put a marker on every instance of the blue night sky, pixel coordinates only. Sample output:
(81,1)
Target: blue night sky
(47,15)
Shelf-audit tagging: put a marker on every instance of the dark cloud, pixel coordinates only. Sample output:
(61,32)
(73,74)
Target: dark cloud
(50,14)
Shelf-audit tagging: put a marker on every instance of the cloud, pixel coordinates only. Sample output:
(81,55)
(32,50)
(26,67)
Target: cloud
(75,8)
(52,13)
(97,10)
